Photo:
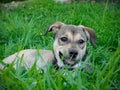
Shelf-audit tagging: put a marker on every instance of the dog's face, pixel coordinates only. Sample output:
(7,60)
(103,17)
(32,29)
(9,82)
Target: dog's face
(70,43)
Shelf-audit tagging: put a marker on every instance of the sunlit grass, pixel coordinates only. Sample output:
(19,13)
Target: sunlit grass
(23,28)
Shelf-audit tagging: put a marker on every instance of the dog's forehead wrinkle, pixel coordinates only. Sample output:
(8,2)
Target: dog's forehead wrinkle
(80,34)
(72,28)
(72,32)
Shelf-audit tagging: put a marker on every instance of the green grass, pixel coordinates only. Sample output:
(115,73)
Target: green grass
(23,28)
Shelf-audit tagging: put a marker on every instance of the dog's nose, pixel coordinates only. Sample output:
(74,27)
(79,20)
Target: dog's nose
(73,53)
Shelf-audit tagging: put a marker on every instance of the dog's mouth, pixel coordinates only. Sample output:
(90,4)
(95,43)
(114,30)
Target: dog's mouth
(67,60)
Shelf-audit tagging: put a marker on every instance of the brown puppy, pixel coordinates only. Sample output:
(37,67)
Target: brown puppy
(69,48)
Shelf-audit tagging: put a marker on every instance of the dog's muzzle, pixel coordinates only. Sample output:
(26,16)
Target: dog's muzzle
(73,53)
(71,58)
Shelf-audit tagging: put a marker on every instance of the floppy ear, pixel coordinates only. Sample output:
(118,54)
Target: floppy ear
(90,35)
(54,27)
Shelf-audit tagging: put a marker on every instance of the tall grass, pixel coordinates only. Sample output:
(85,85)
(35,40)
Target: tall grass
(23,28)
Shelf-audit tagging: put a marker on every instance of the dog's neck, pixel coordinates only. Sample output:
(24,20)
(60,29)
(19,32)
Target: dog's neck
(84,57)
(54,61)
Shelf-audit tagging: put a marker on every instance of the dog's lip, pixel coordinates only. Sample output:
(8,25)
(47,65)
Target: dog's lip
(67,60)
(60,55)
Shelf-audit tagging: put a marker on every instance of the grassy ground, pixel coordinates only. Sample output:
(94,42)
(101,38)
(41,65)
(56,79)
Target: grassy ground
(23,28)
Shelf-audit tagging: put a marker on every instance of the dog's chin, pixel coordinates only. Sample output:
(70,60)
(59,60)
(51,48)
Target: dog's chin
(67,60)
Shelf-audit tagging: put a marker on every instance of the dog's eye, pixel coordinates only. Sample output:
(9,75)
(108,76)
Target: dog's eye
(64,39)
(81,41)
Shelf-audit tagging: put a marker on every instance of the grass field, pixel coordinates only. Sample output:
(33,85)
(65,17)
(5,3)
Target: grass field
(23,27)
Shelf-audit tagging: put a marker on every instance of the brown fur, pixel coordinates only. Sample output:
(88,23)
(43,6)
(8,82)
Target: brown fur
(69,48)
(74,34)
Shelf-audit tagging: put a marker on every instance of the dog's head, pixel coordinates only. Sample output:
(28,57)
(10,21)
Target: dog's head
(70,43)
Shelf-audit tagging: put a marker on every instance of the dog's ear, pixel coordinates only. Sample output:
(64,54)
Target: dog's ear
(90,35)
(54,27)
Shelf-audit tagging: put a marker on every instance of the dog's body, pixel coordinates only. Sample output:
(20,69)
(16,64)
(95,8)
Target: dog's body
(69,48)
(29,56)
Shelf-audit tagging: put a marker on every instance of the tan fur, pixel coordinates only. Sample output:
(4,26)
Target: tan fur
(70,41)
(74,34)
(29,56)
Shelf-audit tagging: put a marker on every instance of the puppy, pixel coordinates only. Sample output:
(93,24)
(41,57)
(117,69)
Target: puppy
(69,48)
